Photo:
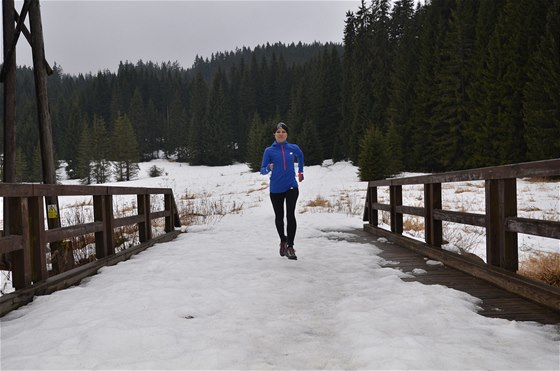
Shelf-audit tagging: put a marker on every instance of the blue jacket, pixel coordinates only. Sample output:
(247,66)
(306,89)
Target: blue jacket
(282,155)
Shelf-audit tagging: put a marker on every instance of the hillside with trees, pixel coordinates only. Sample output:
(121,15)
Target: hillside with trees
(449,85)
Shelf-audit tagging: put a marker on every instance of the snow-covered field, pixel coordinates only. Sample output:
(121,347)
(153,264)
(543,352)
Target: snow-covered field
(220,296)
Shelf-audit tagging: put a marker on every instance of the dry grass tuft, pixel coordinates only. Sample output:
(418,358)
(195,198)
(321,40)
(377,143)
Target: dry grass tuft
(319,202)
(543,180)
(543,267)
(413,224)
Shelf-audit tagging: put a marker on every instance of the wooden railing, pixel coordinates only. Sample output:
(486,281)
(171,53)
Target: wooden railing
(27,245)
(500,221)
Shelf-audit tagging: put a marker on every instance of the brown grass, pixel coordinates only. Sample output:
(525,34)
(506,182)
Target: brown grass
(543,267)
(318,202)
(413,224)
(530,208)
(543,180)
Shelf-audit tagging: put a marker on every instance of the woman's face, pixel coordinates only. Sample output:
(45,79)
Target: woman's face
(280,135)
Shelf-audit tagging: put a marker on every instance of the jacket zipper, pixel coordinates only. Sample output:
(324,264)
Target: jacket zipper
(283,156)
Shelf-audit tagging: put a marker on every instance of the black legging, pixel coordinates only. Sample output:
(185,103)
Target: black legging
(278,204)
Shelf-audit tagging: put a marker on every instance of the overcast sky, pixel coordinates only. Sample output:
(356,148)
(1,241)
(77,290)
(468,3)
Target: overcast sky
(87,36)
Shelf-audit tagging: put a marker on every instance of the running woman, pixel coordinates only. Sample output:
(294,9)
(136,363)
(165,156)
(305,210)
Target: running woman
(279,159)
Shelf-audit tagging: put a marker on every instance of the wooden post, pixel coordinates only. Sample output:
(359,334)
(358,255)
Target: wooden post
(432,201)
(395,194)
(145,227)
(168,201)
(9,171)
(11,224)
(99,216)
(501,203)
(37,242)
(45,128)
(21,264)
(373,213)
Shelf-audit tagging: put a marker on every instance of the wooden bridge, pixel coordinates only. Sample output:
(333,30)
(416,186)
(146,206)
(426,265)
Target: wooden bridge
(510,295)
(29,244)
(504,293)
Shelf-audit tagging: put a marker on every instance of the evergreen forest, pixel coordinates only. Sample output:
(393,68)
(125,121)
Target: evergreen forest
(447,85)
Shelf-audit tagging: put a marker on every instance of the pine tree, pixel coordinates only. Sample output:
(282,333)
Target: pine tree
(478,150)
(257,141)
(101,169)
(22,170)
(36,173)
(373,157)
(452,81)
(433,24)
(85,155)
(199,117)
(404,74)
(124,149)
(217,137)
(394,150)
(515,38)
(137,116)
(541,106)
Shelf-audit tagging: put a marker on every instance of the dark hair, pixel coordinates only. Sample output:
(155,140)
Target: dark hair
(280,125)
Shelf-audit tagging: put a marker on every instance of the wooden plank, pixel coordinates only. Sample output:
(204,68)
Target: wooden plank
(411,210)
(538,292)
(99,217)
(159,214)
(433,228)
(383,207)
(544,228)
(67,190)
(15,190)
(395,194)
(137,191)
(501,204)
(545,168)
(478,220)
(10,243)
(60,234)
(145,227)
(37,241)
(128,220)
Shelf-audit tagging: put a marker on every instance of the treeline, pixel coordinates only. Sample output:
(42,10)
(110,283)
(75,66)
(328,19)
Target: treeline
(451,85)
(443,86)
(201,115)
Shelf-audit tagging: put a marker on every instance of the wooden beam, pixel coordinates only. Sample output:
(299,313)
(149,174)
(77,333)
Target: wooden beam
(433,230)
(478,220)
(501,204)
(27,35)
(10,53)
(543,228)
(395,194)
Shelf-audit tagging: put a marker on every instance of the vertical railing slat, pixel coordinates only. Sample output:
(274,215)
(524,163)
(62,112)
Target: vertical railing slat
(36,221)
(501,203)
(432,201)
(395,194)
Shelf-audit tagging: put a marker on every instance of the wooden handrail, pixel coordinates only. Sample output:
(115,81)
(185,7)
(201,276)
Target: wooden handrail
(500,219)
(28,247)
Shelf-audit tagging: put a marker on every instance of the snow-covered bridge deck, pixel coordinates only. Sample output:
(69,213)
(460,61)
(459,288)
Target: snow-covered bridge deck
(222,298)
